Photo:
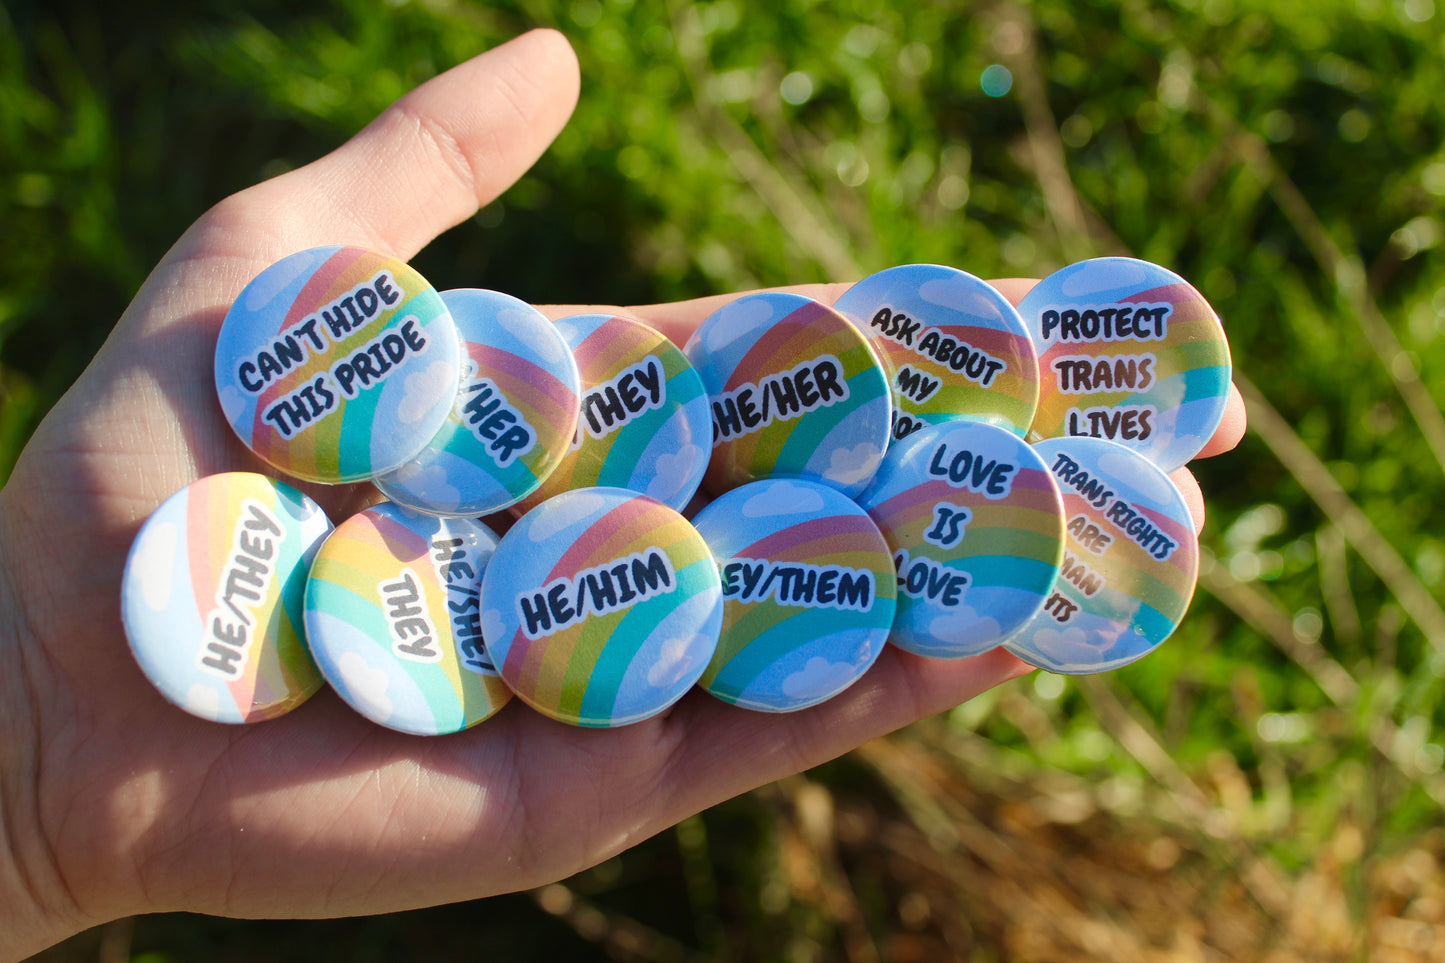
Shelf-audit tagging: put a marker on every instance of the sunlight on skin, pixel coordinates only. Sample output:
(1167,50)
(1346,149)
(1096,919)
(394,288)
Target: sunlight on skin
(678,321)
(114,803)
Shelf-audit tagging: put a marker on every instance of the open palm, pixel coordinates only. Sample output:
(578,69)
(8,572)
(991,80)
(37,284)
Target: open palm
(113,802)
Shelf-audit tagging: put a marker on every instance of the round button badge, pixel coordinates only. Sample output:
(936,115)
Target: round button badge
(795,390)
(212,597)
(514,416)
(1128,352)
(976,526)
(953,345)
(1131,558)
(602,607)
(393,616)
(808,593)
(644,423)
(337,364)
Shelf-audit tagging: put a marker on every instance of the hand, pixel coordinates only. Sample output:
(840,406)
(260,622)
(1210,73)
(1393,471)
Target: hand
(113,802)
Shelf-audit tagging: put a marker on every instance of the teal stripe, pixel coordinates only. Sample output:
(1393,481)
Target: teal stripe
(864,388)
(599,702)
(366,617)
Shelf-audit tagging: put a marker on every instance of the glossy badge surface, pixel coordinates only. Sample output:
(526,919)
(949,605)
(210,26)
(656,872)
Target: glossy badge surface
(212,597)
(514,417)
(795,390)
(976,526)
(393,616)
(953,346)
(808,593)
(1129,352)
(602,607)
(1131,558)
(645,424)
(337,364)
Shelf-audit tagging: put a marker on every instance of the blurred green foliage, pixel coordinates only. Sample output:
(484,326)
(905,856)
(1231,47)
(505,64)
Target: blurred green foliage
(1288,159)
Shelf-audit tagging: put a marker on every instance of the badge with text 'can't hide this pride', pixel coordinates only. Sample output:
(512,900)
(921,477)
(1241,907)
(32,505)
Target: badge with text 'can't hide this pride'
(337,364)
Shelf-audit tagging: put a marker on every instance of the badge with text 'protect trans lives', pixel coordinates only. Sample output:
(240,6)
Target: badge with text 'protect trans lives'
(602,607)
(212,597)
(337,364)
(953,345)
(1129,352)
(513,419)
(1131,559)
(808,593)
(975,523)
(393,617)
(796,391)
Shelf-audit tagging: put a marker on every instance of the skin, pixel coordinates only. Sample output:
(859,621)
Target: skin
(113,802)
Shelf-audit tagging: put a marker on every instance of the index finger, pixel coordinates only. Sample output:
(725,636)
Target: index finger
(679,319)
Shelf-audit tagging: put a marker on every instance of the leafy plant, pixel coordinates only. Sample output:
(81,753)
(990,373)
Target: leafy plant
(1269,781)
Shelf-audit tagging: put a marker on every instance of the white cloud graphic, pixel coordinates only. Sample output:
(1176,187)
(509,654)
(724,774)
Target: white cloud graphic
(423,389)
(493,628)
(783,498)
(365,686)
(819,678)
(1153,485)
(203,701)
(1067,647)
(233,403)
(965,625)
(678,656)
(534,330)
(852,466)
(277,278)
(428,484)
(965,294)
(557,514)
(568,328)
(674,470)
(154,558)
(1085,281)
(734,320)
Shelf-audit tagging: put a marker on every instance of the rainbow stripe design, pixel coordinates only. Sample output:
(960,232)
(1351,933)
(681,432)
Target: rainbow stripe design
(514,417)
(975,523)
(795,389)
(393,615)
(645,424)
(809,594)
(1130,565)
(212,597)
(1098,387)
(328,404)
(953,346)
(602,607)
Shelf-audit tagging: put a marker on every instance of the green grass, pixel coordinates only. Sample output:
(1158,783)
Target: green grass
(1268,781)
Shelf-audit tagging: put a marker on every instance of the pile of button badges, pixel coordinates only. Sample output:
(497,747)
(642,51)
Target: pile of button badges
(921,463)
